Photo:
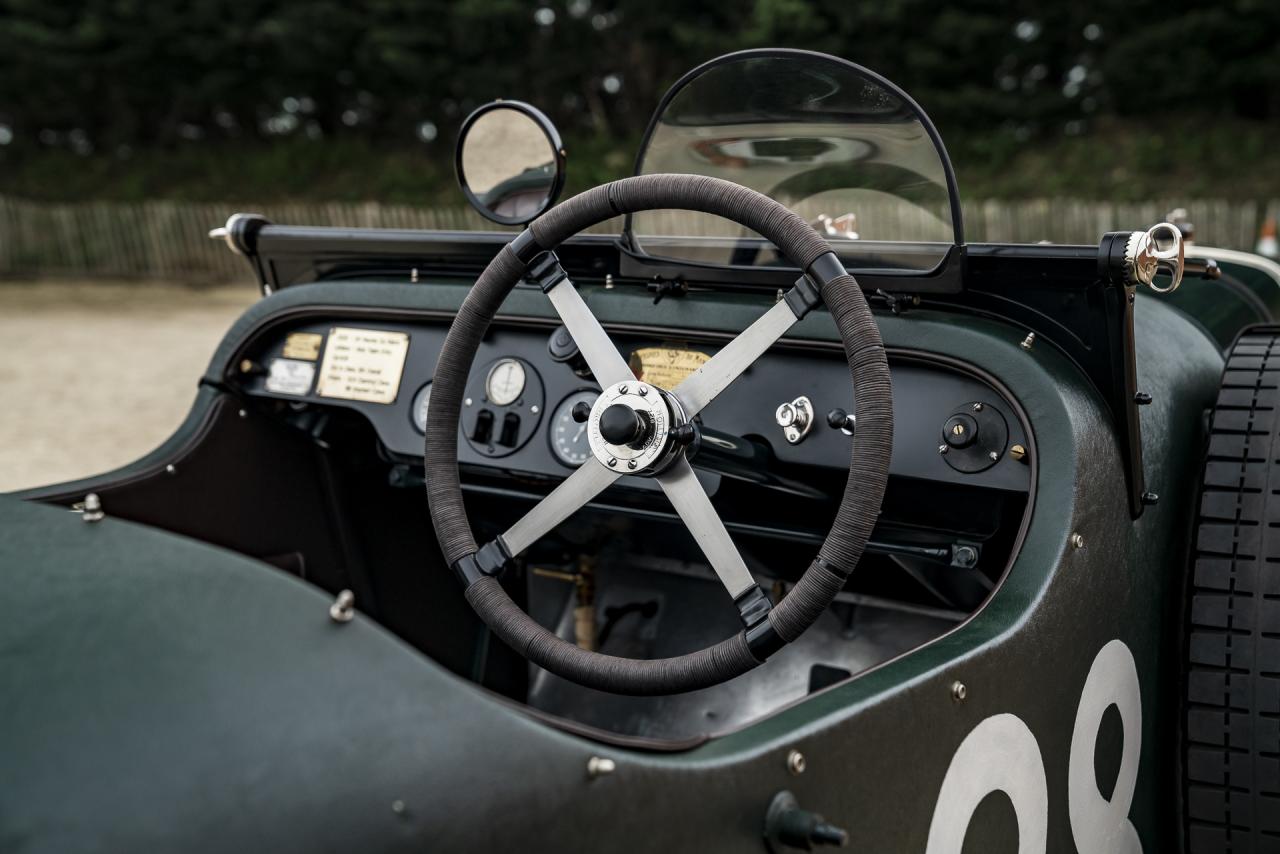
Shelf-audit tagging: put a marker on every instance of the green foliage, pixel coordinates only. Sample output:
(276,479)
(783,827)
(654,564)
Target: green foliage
(209,98)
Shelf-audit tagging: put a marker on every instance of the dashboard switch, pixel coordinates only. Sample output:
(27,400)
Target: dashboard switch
(484,427)
(510,430)
(795,419)
(960,431)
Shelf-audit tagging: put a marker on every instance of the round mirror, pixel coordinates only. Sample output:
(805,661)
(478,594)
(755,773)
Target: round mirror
(510,162)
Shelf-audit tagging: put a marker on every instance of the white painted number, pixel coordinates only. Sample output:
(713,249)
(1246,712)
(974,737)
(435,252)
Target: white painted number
(1001,754)
(1096,823)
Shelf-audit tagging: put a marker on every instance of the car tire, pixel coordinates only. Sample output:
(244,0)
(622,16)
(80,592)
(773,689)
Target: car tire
(1231,678)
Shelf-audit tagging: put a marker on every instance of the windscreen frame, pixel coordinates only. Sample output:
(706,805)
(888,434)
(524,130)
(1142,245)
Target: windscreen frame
(634,247)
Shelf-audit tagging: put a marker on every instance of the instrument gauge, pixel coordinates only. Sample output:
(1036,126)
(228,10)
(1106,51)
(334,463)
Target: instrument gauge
(421,401)
(568,437)
(505,382)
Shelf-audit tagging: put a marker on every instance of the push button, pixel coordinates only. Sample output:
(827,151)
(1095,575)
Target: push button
(960,431)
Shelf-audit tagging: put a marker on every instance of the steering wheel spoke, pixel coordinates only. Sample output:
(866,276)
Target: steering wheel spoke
(572,494)
(593,342)
(693,505)
(714,376)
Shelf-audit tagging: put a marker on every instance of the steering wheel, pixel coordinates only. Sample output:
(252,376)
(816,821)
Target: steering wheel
(635,428)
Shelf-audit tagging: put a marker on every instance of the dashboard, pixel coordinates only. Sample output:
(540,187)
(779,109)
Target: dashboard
(790,411)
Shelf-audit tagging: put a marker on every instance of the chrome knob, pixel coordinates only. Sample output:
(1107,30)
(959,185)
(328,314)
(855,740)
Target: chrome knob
(795,419)
(1158,249)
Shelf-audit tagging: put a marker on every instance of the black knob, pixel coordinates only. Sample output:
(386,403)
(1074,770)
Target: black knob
(581,411)
(960,431)
(621,425)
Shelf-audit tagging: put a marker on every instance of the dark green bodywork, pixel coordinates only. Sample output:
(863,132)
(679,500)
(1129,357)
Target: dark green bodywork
(174,696)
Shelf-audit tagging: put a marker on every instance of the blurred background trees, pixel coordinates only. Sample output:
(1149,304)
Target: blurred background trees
(327,99)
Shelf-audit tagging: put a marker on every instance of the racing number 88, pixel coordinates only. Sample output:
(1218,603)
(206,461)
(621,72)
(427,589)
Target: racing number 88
(1001,754)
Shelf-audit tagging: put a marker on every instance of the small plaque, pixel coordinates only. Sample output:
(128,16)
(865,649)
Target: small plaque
(290,376)
(363,364)
(666,367)
(303,345)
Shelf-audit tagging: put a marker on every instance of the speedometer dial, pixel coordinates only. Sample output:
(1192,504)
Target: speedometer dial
(421,402)
(568,437)
(505,382)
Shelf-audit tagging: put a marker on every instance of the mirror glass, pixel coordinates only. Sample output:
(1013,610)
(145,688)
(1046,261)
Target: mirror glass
(847,151)
(510,162)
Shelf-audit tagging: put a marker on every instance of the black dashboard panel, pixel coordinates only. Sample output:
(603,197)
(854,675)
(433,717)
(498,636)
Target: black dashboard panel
(927,392)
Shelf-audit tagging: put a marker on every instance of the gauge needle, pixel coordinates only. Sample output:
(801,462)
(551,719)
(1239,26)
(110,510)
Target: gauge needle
(578,435)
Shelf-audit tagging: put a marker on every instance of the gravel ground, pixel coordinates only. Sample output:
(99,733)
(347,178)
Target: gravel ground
(95,374)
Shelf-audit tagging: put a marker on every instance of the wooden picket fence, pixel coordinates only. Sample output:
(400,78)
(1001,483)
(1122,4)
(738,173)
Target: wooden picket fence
(169,240)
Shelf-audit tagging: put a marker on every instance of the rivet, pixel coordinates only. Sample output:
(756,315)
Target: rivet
(244,414)
(398,807)
(343,607)
(93,508)
(1017,452)
(467,401)
(959,691)
(600,766)
(534,409)
(994,456)
(796,763)
(171,469)
(1077,541)
(1028,341)
(246,365)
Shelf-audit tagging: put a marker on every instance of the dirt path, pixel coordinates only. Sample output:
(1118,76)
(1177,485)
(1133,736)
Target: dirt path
(93,375)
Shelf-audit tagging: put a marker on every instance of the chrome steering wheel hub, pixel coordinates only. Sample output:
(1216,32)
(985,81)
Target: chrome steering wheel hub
(657,414)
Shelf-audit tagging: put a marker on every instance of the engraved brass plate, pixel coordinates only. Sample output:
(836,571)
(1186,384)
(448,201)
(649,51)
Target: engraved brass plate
(665,367)
(363,364)
(303,345)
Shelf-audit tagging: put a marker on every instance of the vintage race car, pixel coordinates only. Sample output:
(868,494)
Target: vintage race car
(736,505)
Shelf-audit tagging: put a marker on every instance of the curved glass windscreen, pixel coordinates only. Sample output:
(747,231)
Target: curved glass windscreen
(840,148)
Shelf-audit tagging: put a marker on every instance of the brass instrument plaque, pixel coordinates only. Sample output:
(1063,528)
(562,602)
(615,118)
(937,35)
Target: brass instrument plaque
(303,345)
(665,367)
(363,364)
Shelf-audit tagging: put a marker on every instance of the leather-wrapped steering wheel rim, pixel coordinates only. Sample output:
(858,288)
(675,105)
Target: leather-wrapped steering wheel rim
(767,627)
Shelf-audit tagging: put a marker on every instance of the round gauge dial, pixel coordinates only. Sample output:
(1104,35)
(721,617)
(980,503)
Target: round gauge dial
(505,382)
(568,437)
(421,401)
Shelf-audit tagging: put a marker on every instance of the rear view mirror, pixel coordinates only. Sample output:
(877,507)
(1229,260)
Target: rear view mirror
(510,162)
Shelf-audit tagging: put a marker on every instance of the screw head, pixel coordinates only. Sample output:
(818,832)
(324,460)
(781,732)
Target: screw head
(643,390)
(631,464)
(1077,541)
(977,407)
(796,763)
(170,469)
(600,766)
(942,449)
(994,456)
(1018,452)
(622,389)
(343,607)
(1029,341)
(612,462)
(534,409)
(959,691)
